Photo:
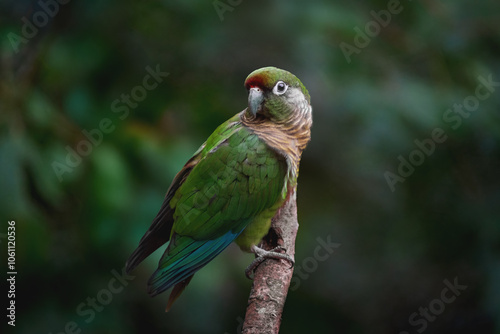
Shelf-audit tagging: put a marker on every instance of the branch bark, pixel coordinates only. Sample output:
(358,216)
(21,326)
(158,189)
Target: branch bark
(272,277)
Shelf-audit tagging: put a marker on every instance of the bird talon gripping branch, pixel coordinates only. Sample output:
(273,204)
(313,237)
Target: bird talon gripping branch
(263,254)
(233,185)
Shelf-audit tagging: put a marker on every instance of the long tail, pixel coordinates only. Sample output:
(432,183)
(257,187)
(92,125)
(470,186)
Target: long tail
(182,259)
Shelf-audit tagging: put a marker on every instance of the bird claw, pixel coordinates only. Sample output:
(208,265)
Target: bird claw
(263,254)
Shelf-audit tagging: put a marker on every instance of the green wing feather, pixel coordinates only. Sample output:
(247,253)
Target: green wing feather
(239,170)
(233,185)
(160,230)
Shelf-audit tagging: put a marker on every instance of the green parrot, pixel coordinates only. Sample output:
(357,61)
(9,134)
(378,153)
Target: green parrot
(233,185)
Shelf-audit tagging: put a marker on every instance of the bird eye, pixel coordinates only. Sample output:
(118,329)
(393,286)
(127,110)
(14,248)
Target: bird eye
(280,88)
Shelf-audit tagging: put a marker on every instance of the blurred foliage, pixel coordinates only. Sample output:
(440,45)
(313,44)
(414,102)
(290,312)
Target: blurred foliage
(74,232)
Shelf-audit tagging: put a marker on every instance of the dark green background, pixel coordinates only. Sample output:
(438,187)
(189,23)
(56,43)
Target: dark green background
(396,247)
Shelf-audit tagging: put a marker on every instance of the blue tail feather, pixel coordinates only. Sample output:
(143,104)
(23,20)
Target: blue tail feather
(184,257)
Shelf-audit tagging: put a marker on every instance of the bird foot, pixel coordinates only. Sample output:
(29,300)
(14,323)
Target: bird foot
(263,254)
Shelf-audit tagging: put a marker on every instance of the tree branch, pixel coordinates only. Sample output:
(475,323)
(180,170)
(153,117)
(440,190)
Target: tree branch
(272,277)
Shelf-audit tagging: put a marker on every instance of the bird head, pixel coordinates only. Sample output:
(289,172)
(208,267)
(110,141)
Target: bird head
(276,94)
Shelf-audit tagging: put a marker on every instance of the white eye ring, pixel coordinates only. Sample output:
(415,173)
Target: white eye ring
(280,88)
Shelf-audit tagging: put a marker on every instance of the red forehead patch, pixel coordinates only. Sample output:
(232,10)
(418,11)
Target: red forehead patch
(260,78)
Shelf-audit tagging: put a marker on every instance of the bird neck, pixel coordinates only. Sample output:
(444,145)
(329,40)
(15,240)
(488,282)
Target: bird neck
(288,137)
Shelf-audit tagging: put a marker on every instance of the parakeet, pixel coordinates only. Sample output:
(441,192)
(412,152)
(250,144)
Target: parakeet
(233,185)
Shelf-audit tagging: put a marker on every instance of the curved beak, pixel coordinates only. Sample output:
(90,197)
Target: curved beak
(255,99)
